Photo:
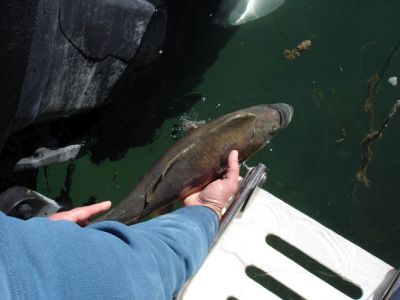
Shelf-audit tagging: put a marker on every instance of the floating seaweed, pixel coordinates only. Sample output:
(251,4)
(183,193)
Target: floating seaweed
(295,52)
(373,85)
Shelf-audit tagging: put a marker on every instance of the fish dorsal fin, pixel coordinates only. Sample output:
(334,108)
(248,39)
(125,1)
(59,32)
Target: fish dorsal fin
(235,120)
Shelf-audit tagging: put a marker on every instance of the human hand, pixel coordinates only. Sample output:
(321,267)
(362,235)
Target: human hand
(81,215)
(216,194)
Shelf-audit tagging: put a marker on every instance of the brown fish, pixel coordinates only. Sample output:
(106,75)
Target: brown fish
(199,158)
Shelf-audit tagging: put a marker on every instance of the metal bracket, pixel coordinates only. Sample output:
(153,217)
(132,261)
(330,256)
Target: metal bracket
(393,290)
(25,203)
(44,157)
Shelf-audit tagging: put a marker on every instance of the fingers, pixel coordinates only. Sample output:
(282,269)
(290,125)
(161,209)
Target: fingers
(81,215)
(232,172)
(85,212)
(59,216)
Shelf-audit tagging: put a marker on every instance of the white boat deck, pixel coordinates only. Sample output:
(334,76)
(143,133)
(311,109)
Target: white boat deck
(243,244)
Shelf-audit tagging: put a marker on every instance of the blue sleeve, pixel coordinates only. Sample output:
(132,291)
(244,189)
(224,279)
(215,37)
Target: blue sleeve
(42,259)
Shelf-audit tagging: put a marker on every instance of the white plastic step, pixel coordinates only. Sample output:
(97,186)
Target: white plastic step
(243,244)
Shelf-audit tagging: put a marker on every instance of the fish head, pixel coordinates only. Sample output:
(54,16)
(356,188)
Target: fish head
(280,112)
(270,118)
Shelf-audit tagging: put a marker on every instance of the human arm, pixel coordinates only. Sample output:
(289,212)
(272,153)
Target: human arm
(43,259)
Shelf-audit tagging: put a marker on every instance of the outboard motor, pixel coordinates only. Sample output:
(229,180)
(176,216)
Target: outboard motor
(67,55)
(60,58)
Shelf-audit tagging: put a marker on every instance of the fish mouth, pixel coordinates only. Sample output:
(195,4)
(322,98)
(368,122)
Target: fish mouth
(285,111)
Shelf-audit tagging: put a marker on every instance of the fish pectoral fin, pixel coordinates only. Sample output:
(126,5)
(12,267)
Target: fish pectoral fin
(168,166)
(147,198)
(175,159)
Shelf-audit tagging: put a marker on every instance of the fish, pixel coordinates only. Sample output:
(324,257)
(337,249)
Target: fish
(199,158)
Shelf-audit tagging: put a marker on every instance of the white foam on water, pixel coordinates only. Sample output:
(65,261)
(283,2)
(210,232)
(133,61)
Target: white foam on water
(393,80)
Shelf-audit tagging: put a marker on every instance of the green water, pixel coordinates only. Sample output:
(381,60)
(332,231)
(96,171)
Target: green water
(312,162)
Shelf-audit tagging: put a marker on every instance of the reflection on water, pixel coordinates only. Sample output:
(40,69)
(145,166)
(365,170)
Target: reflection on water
(341,93)
(237,12)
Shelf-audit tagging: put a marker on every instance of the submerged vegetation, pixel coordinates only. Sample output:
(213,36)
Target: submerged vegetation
(368,142)
(373,135)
